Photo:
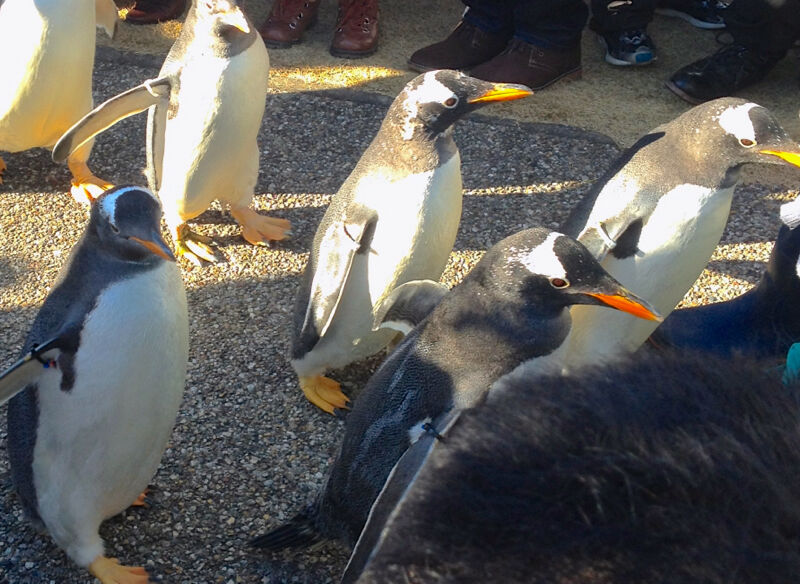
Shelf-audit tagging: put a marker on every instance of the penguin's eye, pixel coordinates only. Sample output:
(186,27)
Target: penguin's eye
(746,142)
(450,102)
(114,228)
(559,282)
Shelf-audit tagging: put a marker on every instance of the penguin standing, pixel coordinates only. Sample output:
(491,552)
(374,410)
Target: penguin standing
(393,220)
(46,58)
(654,219)
(101,380)
(762,323)
(660,468)
(513,306)
(206,108)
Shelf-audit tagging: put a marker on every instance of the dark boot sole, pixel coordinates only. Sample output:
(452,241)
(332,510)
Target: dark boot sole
(353,54)
(682,94)
(573,75)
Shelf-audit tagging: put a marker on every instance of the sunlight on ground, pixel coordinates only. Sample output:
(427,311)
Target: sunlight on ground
(338,76)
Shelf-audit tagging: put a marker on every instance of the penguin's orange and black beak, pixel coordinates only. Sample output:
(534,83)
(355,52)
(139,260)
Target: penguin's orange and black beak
(502,92)
(155,244)
(627,302)
(788,156)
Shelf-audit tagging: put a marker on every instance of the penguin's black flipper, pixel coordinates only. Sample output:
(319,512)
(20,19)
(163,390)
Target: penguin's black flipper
(299,532)
(28,369)
(109,113)
(408,305)
(323,291)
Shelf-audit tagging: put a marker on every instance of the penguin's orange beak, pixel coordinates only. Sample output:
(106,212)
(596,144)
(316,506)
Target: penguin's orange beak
(160,247)
(235,18)
(503,92)
(790,157)
(637,308)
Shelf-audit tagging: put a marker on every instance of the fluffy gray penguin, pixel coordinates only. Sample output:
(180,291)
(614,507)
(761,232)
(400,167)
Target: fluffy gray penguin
(393,220)
(205,112)
(97,391)
(679,468)
(654,219)
(511,308)
(47,56)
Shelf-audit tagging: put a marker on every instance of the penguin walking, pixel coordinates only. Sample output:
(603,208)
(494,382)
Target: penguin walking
(97,391)
(205,110)
(393,220)
(46,58)
(659,468)
(654,219)
(514,306)
(762,323)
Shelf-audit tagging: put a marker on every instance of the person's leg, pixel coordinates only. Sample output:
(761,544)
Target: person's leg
(622,28)
(545,47)
(762,35)
(482,33)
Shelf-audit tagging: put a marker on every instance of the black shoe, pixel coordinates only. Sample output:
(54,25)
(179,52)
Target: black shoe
(724,73)
(706,14)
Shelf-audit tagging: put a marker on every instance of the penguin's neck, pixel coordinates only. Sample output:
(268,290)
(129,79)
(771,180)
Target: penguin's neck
(418,150)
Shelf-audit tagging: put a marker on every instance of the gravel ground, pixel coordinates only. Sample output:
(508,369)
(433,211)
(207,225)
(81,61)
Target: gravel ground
(248,450)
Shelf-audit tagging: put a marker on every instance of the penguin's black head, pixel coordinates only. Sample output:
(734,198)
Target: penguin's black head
(127,222)
(549,271)
(430,103)
(740,132)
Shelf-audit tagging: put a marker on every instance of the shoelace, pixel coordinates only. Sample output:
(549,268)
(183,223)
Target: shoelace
(357,13)
(290,8)
(633,37)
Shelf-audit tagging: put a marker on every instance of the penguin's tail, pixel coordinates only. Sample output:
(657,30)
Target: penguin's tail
(299,532)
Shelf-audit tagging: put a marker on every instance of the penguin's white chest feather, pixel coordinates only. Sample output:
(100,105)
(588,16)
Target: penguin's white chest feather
(46,58)
(211,149)
(99,444)
(418,219)
(674,247)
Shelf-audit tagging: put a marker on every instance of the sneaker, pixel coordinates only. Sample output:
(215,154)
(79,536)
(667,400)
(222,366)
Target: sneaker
(706,14)
(724,73)
(628,47)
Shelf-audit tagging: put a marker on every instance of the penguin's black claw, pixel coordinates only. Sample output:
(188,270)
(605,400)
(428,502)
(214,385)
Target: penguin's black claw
(298,533)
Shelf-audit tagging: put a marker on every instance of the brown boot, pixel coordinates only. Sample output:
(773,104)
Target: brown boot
(530,65)
(356,33)
(153,11)
(467,46)
(287,21)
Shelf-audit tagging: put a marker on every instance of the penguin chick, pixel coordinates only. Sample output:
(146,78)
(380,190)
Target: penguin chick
(87,427)
(512,307)
(393,220)
(205,108)
(762,323)
(680,468)
(46,58)
(654,219)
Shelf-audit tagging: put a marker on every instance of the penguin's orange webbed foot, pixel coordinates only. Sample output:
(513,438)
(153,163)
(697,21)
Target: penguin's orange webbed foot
(2,169)
(86,187)
(110,571)
(324,392)
(260,229)
(142,500)
(194,247)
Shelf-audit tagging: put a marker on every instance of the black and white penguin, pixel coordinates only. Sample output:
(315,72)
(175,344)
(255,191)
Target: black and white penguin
(762,323)
(663,468)
(46,58)
(206,108)
(100,381)
(393,220)
(654,219)
(512,307)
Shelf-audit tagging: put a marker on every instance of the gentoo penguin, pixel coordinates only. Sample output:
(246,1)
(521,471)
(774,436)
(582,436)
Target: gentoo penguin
(512,307)
(46,58)
(205,112)
(654,219)
(762,323)
(393,220)
(669,468)
(100,381)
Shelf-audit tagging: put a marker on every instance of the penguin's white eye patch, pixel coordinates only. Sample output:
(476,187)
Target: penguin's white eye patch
(559,283)
(451,102)
(747,142)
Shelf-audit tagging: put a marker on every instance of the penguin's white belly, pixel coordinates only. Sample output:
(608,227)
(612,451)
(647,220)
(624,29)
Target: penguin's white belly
(418,218)
(99,444)
(674,247)
(46,59)
(211,149)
